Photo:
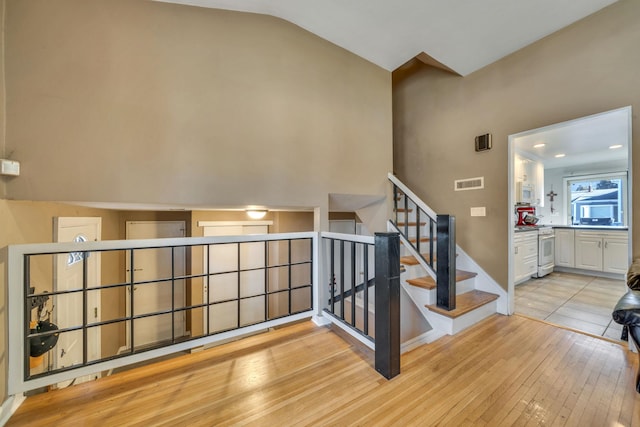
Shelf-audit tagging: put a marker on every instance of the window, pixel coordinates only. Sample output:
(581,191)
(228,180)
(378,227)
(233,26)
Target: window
(598,199)
(76,257)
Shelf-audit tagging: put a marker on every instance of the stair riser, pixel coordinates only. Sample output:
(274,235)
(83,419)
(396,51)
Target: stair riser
(459,324)
(404,251)
(419,296)
(473,317)
(430,295)
(465,286)
(413,271)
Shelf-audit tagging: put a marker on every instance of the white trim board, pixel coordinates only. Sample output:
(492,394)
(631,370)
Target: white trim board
(228,223)
(10,406)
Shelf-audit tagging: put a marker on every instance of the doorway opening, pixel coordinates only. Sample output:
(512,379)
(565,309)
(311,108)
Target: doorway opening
(156,296)
(69,271)
(580,179)
(228,258)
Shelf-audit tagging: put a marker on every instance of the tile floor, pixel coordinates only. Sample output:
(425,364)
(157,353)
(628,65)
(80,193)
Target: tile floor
(573,300)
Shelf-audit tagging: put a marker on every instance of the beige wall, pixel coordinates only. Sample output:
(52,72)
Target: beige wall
(3,153)
(142,101)
(147,102)
(584,69)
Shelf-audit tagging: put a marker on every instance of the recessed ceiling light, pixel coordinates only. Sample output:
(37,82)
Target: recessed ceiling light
(559,155)
(613,147)
(256,213)
(539,145)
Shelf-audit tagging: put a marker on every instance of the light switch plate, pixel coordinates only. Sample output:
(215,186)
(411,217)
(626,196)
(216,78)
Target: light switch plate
(479,211)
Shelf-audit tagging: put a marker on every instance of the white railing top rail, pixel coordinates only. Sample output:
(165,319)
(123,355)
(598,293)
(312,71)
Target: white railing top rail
(369,240)
(107,245)
(417,200)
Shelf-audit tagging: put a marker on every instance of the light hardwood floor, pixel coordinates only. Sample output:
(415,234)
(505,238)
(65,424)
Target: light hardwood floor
(575,301)
(507,370)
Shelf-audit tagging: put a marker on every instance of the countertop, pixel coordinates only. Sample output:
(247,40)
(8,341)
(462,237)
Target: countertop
(591,227)
(529,228)
(526,228)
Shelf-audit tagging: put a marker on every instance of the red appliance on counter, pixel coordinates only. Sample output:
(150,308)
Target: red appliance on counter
(523,212)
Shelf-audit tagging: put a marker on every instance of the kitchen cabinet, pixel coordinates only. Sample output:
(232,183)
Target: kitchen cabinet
(525,261)
(605,251)
(530,172)
(615,256)
(564,247)
(588,250)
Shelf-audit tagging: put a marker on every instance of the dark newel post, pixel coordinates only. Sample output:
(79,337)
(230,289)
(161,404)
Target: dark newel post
(387,253)
(446,262)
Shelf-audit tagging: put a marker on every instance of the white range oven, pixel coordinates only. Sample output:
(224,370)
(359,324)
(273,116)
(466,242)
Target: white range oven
(546,250)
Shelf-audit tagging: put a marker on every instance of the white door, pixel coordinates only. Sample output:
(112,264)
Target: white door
(68,309)
(224,258)
(150,265)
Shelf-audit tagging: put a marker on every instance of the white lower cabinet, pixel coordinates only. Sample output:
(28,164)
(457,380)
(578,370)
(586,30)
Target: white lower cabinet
(564,247)
(588,251)
(615,257)
(525,255)
(605,251)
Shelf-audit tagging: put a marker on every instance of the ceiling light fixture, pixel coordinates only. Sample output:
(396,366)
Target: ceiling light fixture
(539,145)
(613,147)
(557,156)
(256,213)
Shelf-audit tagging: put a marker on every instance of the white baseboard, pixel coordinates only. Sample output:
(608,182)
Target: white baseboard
(10,406)
(350,331)
(615,276)
(426,338)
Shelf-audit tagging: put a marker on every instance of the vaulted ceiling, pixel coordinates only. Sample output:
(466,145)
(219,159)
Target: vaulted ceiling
(461,35)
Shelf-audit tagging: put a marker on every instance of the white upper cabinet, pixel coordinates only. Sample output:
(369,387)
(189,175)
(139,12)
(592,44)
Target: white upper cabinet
(529,176)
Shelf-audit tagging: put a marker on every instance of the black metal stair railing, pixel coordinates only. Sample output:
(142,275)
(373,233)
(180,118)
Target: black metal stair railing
(349,301)
(432,237)
(368,306)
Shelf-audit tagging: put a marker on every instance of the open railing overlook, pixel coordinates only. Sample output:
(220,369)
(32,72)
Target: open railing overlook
(71,320)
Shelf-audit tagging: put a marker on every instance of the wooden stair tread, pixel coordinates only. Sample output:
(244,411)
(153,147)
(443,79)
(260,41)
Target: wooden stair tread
(404,210)
(411,224)
(422,239)
(411,260)
(464,275)
(427,282)
(465,303)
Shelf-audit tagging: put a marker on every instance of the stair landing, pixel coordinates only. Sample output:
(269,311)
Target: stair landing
(465,303)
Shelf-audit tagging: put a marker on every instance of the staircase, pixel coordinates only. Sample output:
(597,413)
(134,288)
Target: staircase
(474,295)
